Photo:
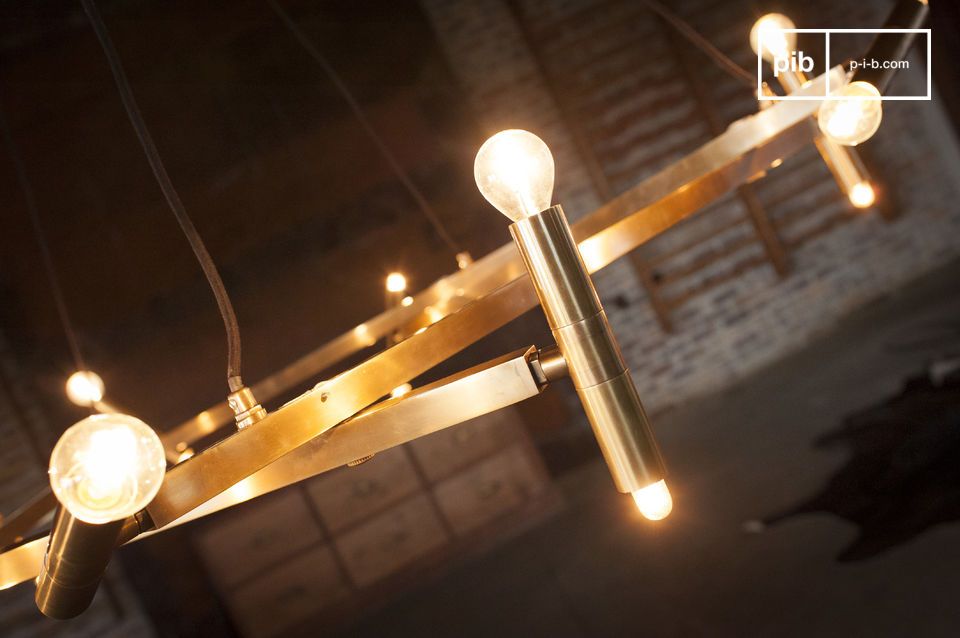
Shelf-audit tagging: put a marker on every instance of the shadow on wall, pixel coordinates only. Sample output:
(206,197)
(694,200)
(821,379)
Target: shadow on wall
(902,477)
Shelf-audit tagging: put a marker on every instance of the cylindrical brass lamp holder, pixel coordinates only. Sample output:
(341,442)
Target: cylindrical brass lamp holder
(77,556)
(587,342)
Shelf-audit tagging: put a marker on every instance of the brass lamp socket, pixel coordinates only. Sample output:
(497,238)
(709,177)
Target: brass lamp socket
(246,409)
(589,347)
(77,556)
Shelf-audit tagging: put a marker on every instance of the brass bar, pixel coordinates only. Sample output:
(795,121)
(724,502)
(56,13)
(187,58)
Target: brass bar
(73,566)
(474,392)
(586,340)
(740,154)
(22,521)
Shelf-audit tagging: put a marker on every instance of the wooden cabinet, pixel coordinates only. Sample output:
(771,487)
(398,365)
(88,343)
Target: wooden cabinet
(491,488)
(355,534)
(391,540)
(351,494)
(288,594)
(261,534)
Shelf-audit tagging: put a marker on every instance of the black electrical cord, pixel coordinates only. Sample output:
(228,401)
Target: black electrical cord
(173,199)
(338,82)
(703,44)
(40,235)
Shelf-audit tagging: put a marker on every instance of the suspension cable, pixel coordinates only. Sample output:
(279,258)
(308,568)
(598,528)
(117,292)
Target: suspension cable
(173,199)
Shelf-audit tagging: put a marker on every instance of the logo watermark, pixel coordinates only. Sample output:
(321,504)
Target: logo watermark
(798,61)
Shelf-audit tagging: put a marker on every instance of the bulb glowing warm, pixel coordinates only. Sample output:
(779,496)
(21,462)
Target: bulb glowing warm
(85,388)
(654,501)
(862,195)
(777,43)
(396,282)
(107,467)
(514,172)
(854,116)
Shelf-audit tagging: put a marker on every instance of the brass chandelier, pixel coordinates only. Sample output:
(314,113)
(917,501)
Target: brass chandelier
(116,480)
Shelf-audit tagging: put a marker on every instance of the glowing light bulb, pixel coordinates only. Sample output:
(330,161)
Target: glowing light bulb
(654,501)
(862,195)
(85,388)
(853,116)
(514,172)
(107,467)
(396,282)
(406,301)
(777,43)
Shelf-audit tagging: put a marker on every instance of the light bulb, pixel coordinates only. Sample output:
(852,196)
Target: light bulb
(107,467)
(85,388)
(514,172)
(854,114)
(396,282)
(654,501)
(862,195)
(777,43)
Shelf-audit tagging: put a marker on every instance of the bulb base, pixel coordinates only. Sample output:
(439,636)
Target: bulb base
(589,348)
(71,571)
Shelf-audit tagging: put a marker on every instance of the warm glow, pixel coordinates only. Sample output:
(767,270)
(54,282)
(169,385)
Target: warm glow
(396,282)
(854,116)
(107,467)
(862,195)
(776,42)
(514,172)
(362,333)
(85,388)
(401,390)
(464,259)
(654,501)
(406,301)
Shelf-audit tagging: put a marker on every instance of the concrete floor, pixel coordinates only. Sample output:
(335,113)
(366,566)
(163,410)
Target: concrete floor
(598,569)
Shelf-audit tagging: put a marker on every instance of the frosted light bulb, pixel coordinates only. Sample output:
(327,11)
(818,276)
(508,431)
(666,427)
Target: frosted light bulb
(654,501)
(85,388)
(862,195)
(776,42)
(107,467)
(853,116)
(514,172)
(396,282)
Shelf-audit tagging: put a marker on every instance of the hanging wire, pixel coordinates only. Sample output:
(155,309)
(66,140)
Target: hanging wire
(319,58)
(688,32)
(39,234)
(173,199)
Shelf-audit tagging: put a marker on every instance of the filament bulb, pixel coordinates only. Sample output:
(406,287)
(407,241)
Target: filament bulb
(862,195)
(514,172)
(107,467)
(654,501)
(85,388)
(777,42)
(853,116)
(396,282)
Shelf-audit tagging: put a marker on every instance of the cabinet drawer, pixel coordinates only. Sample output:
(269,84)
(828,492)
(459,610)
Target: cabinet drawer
(266,531)
(444,452)
(349,494)
(490,489)
(386,543)
(287,595)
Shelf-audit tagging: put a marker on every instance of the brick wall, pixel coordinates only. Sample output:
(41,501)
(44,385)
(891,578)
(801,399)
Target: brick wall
(115,612)
(615,68)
